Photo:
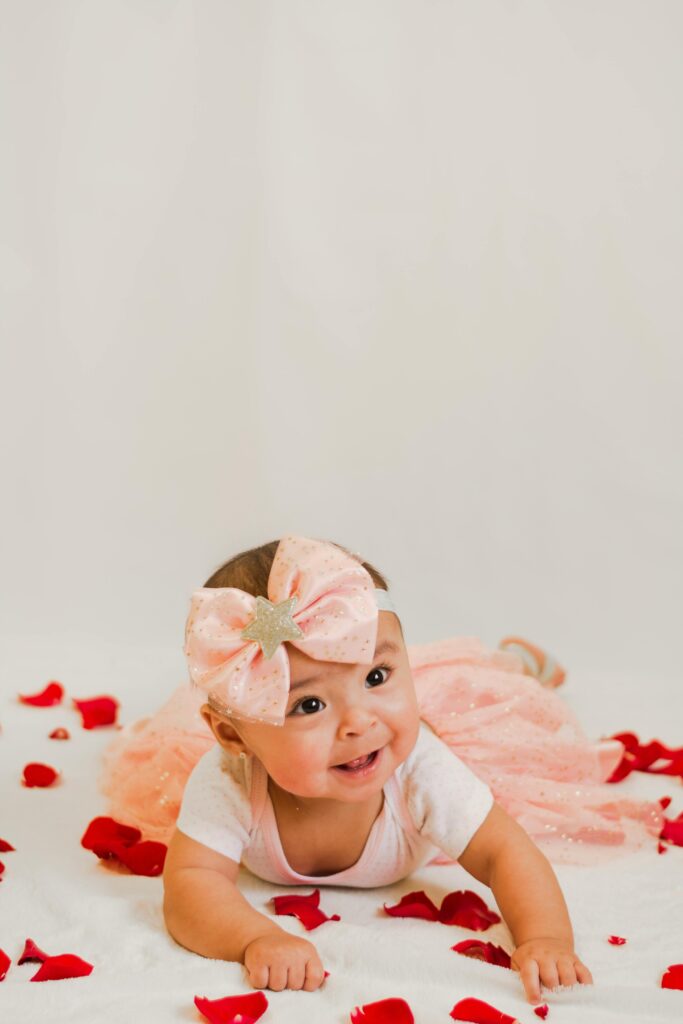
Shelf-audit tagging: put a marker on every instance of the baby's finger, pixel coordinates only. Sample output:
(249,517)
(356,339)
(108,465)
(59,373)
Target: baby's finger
(548,970)
(566,970)
(583,974)
(295,976)
(315,974)
(258,976)
(278,977)
(530,979)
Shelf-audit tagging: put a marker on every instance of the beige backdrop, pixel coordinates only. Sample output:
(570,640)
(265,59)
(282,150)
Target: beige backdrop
(403,274)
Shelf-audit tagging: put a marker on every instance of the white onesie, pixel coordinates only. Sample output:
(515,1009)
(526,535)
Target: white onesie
(433,802)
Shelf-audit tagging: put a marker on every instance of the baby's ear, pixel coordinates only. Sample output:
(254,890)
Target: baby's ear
(223,730)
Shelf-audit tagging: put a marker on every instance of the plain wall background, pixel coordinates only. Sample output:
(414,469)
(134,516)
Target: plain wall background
(402,274)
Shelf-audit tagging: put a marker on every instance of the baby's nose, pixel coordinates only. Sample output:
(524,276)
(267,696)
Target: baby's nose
(357,720)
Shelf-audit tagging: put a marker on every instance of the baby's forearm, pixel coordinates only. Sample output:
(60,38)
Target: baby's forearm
(206,913)
(529,896)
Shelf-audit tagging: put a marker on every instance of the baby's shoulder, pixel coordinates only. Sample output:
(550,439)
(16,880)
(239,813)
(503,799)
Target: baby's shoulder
(219,771)
(433,768)
(429,749)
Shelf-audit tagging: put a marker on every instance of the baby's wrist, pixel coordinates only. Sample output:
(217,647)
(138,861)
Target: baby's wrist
(566,942)
(269,929)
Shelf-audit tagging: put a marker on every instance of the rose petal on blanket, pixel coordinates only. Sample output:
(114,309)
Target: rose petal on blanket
(66,965)
(103,830)
(541,1011)
(32,953)
(41,775)
(97,711)
(664,801)
(643,756)
(5,847)
(4,964)
(673,977)
(468,910)
(414,904)
(662,847)
(146,858)
(478,1012)
(59,734)
(233,1009)
(486,951)
(52,694)
(617,940)
(2,867)
(384,1011)
(673,830)
(110,840)
(305,908)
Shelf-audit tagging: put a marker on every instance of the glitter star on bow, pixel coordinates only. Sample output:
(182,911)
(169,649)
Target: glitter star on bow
(272,625)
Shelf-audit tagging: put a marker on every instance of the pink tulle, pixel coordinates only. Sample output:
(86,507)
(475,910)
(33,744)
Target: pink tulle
(526,744)
(516,735)
(146,766)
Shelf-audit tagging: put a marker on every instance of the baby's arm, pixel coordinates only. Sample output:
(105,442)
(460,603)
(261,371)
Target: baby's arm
(502,855)
(205,912)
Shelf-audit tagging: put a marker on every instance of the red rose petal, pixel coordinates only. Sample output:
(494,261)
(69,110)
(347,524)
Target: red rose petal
(110,840)
(41,775)
(664,801)
(541,1011)
(462,908)
(5,847)
(305,908)
(4,964)
(644,756)
(384,1011)
(673,977)
(479,1012)
(673,831)
(102,831)
(32,953)
(311,899)
(2,867)
(662,848)
(616,940)
(486,951)
(51,695)
(59,734)
(67,965)
(146,858)
(233,1009)
(414,904)
(97,711)
(468,910)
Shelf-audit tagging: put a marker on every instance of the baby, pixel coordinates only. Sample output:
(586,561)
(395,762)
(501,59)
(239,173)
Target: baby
(323,772)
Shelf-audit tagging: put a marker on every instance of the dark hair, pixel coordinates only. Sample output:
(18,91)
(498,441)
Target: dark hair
(249,570)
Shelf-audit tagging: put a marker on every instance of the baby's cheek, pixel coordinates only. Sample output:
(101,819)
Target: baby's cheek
(297,771)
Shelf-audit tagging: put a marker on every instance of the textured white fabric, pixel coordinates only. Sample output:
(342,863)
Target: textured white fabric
(433,802)
(68,901)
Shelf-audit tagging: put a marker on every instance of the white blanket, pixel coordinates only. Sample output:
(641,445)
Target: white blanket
(67,901)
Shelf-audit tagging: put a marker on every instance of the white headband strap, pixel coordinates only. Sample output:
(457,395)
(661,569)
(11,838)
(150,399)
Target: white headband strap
(384,602)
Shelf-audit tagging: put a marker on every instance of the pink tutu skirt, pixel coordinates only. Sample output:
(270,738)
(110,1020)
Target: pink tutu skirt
(516,735)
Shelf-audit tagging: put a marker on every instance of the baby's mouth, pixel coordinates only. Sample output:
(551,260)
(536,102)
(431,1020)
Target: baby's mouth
(359,762)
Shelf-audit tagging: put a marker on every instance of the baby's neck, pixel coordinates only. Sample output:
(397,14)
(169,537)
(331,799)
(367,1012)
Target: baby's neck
(315,807)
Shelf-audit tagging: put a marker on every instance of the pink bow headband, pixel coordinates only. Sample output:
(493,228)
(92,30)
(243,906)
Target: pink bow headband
(319,599)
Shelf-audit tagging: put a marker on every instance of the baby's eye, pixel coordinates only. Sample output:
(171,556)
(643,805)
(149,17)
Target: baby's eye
(302,705)
(376,671)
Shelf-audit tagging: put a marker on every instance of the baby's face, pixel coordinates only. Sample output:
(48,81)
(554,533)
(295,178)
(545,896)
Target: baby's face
(341,713)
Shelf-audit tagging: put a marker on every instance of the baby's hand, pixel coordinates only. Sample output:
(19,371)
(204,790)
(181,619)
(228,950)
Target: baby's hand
(548,962)
(283,961)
